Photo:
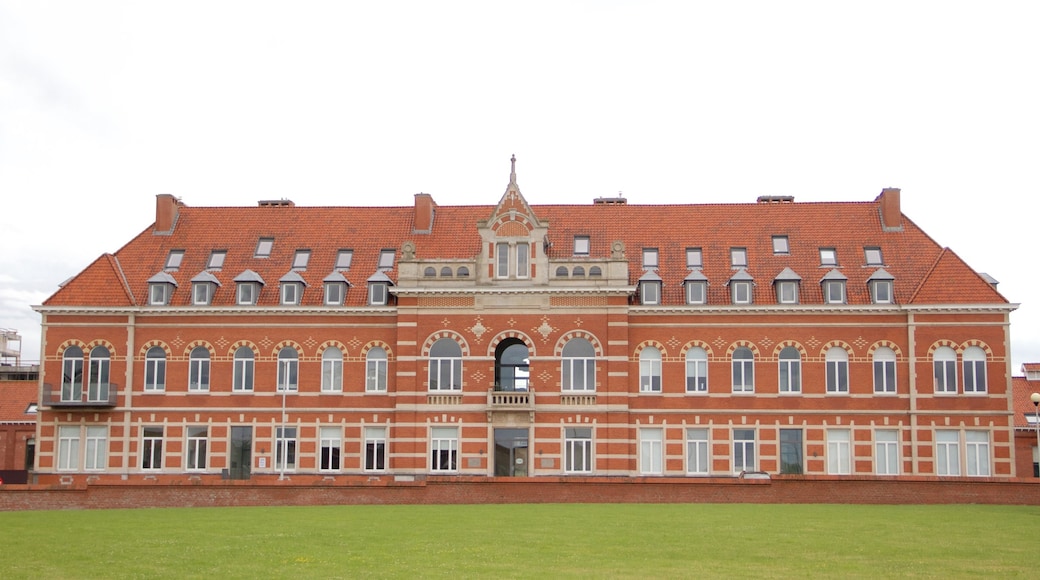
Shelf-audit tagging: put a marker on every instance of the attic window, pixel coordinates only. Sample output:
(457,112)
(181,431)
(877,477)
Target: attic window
(173,261)
(738,257)
(263,248)
(693,258)
(781,246)
(31,409)
(386,259)
(828,257)
(581,245)
(300,259)
(649,258)
(343,259)
(873,256)
(216,259)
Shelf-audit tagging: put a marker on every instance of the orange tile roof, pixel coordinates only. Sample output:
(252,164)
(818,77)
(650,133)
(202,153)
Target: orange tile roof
(15,397)
(1022,388)
(923,271)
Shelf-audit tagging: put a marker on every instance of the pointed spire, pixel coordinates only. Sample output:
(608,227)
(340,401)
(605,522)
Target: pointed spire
(512,170)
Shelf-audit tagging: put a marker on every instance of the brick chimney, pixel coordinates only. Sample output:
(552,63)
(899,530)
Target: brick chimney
(166,209)
(425,208)
(891,214)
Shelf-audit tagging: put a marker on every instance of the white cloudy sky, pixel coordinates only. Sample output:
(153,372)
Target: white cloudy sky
(103,105)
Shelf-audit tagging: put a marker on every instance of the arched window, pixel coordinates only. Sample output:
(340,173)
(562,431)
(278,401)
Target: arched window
(462,272)
(243,373)
(837,361)
(579,365)
(650,370)
(375,370)
(198,369)
(72,374)
(743,370)
(155,369)
(790,370)
(288,369)
(595,272)
(944,370)
(884,370)
(445,366)
(429,272)
(446,272)
(512,366)
(696,370)
(97,386)
(974,370)
(332,370)
(561,272)
(579,272)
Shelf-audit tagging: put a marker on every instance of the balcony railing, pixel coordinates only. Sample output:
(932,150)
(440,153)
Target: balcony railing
(511,399)
(96,395)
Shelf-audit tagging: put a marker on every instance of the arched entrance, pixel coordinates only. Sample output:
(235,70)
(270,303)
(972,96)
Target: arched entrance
(512,366)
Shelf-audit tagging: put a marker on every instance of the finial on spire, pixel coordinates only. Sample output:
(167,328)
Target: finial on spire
(512,169)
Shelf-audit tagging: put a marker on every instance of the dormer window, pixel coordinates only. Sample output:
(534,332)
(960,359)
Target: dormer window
(581,245)
(833,285)
(386,259)
(828,257)
(787,283)
(248,285)
(173,260)
(216,259)
(696,288)
(880,284)
(741,287)
(203,287)
(263,248)
(379,289)
(505,256)
(292,285)
(335,289)
(649,258)
(738,257)
(343,259)
(781,247)
(300,259)
(160,289)
(650,289)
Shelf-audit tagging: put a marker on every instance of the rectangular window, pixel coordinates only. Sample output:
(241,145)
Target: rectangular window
(884,376)
(300,259)
(331,443)
(502,260)
(839,447)
(781,246)
(581,245)
(974,376)
(377,293)
(650,292)
(523,260)
(738,257)
(331,373)
(886,452)
(882,291)
(787,292)
(173,260)
(944,373)
(651,451)
(375,448)
(386,259)
(96,448)
(263,248)
(834,292)
(837,377)
(202,293)
(649,258)
(694,258)
(155,374)
(741,292)
(444,449)
(335,292)
(976,447)
(216,259)
(696,292)
(947,452)
(743,450)
(698,461)
(285,448)
(578,374)
(578,450)
(343,259)
(290,294)
(246,293)
(158,294)
(873,256)
(198,374)
(828,257)
(791,454)
(68,448)
(196,448)
(152,448)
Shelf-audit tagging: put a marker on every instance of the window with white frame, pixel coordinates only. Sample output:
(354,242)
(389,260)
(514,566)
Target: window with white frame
(72,374)
(974,358)
(886,452)
(650,370)
(743,370)
(331,370)
(744,450)
(300,259)
(651,451)
(292,293)
(155,369)
(288,370)
(787,292)
(976,450)
(96,448)
(216,259)
(195,448)
(343,259)
(98,377)
(523,260)
(741,292)
(839,449)
(696,291)
(694,258)
(375,448)
(781,246)
(173,260)
(152,448)
(502,260)
(578,366)
(445,365)
(947,452)
(577,449)
(68,447)
(247,293)
(828,257)
(581,245)
(738,257)
(202,293)
(386,259)
(872,255)
(790,370)
(696,370)
(331,443)
(242,373)
(836,361)
(834,291)
(884,370)
(159,293)
(375,370)
(285,448)
(650,292)
(649,258)
(263,248)
(698,460)
(335,293)
(944,370)
(378,293)
(881,291)
(444,449)
(198,369)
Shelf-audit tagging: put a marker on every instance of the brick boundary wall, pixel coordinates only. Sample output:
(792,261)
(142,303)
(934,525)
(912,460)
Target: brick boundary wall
(485,490)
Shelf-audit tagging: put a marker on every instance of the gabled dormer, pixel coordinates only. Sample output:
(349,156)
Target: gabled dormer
(513,241)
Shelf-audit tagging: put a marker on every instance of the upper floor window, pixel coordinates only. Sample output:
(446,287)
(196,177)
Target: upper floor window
(884,370)
(828,257)
(881,291)
(248,292)
(694,259)
(523,260)
(263,247)
(343,259)
(386,259)
(100,363)
(335,291)
(288,370)
(445,365)
(743,370)
(872,254)
(650,370)
(512,366)
(155,369)
(696,370)
(332,370)
(649,258)
(650,288)
(198,369)
(216,259)
(790,370)
(203,287)
(696,291)
(833,286)
(781,247)
(160,289)
(242,376)
(375,370)
(578,367)
(173,260)
(974,370)
(581,245)
(300,259)
(837,363)
(787,292)
(379,289)
(72,374)
(738,257)
(292,293)
(944,370)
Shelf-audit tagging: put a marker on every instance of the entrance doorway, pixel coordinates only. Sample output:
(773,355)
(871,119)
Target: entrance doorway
(511,452)
(241,455)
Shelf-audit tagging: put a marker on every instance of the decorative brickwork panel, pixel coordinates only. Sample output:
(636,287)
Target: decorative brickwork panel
(564,301)
(446,302)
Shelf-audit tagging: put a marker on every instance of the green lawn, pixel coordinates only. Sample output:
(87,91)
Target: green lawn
(504,541)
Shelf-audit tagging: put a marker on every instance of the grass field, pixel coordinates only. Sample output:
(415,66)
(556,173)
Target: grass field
(507,541)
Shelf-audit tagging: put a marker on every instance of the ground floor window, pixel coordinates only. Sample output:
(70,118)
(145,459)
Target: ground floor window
(196,448)
(444,449)
(947,452)
(791,455)
(375,448)
(651,451)
(285,448)
(743,450)
(839,446)
(697,458)
(886,452)
(152,448)
(578,450)
(330,442)
(68,448)
(976,447)
(85,447)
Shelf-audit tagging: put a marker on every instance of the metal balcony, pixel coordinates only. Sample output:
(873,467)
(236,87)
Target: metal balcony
(90,396)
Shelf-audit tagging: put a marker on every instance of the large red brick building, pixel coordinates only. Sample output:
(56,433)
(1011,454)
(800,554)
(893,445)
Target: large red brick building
(526,340)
